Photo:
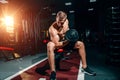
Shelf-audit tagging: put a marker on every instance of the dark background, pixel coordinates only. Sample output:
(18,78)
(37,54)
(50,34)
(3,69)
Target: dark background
(98,24)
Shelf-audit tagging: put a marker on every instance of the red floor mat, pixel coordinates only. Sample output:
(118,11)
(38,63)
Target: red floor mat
(69,70)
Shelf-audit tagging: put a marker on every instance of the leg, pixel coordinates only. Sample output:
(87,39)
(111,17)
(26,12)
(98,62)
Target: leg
(51,55)
(51,59)
(81,49)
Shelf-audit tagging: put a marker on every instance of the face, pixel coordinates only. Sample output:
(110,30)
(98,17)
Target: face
(60,22)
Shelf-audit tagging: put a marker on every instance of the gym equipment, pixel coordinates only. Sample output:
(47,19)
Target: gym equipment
(8,53)
(72,35)
(59,54)
(112,36)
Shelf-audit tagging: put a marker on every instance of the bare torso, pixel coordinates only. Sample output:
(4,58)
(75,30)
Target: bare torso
(57,33)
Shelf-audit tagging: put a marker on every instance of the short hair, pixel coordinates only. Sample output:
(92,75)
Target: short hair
(61,15)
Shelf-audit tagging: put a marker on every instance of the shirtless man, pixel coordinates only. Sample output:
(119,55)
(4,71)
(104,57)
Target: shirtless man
(57,32)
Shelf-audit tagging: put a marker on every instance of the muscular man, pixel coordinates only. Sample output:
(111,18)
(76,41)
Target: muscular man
(57,32)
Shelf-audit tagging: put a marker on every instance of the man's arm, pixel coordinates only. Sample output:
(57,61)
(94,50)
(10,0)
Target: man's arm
(66,26)
(56,39)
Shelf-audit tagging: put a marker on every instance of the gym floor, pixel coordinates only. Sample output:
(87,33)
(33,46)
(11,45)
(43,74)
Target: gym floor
(95,56)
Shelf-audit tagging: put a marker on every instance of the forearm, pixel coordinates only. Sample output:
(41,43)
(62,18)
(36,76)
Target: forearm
(65,42)
(62,43)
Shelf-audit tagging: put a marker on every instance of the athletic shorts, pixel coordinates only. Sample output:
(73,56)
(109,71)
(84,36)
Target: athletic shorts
(69,46)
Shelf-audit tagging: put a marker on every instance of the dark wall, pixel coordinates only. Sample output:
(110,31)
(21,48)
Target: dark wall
(94,20)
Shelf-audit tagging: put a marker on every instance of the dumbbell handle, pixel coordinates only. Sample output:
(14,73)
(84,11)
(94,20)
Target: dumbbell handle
(65,42)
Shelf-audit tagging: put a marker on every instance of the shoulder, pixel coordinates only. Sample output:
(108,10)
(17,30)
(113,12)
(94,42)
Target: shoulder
(67,21)
(54,24)
(52,30)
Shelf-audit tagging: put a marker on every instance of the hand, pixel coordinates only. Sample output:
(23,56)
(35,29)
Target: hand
(65,42)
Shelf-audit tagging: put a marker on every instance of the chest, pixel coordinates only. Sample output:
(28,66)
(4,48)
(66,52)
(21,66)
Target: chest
(61,31)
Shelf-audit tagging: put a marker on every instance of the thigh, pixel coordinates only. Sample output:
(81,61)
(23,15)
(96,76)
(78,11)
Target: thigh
(79,44)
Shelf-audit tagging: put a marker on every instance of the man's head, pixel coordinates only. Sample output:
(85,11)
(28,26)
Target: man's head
(61,18)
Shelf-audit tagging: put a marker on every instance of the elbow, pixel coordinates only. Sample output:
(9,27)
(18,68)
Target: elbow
(58,44)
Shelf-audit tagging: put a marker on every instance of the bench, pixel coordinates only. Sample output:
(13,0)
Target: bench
(7,53)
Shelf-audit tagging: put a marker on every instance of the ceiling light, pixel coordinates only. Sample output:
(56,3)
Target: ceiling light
(53,14)
(3,1)
(72,11)
(90,9)
(92,0)
(68,3)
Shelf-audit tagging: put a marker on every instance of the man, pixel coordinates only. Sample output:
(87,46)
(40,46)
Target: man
(57,32)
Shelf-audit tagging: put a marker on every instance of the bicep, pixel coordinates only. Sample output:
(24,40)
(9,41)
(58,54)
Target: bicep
(54,37)
(66,26)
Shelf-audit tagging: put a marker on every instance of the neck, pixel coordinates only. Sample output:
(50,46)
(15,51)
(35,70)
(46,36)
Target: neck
(57,27)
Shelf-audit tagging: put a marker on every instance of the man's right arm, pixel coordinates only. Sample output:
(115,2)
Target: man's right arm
(56,39)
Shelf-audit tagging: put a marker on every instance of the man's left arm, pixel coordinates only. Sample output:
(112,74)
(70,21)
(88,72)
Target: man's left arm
(66,26)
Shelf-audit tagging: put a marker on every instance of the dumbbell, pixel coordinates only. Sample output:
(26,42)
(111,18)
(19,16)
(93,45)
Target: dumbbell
(72,35)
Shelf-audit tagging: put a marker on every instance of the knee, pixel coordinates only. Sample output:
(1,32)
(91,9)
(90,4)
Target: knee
(50,46)
(79,44)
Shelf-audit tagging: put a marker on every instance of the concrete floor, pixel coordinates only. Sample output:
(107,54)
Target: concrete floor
(96,59)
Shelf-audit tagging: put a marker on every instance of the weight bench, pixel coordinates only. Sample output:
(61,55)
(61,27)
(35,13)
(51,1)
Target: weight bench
(60,54)
(7,53)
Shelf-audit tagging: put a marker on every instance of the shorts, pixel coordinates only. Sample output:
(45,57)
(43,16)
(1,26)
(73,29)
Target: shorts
(69,46)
